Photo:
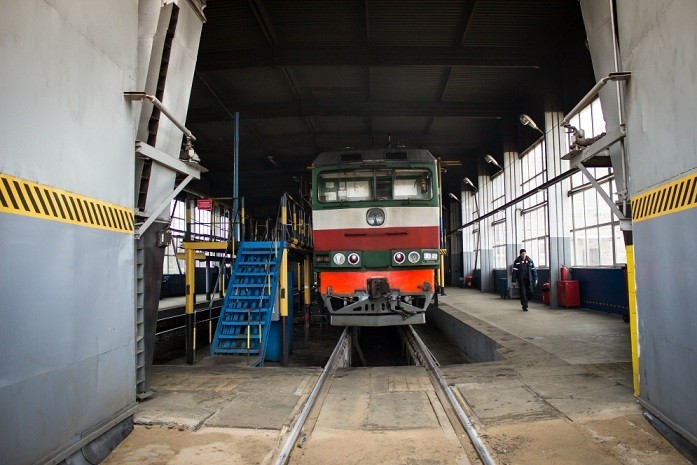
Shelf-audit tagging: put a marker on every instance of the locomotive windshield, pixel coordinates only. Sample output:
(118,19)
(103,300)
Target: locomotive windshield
(374,184)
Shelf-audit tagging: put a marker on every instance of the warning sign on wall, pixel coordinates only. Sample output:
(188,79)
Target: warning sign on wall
(204,204)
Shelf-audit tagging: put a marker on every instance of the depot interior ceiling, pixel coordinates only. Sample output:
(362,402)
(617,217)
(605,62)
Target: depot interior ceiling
(451,76)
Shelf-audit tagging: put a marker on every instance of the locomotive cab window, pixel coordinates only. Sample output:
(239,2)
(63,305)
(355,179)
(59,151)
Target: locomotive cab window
(380,184)
(412,184)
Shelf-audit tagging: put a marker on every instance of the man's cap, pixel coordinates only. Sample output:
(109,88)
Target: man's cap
(522,250)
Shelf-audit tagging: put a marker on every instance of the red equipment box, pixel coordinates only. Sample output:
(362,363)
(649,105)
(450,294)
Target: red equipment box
(568,294)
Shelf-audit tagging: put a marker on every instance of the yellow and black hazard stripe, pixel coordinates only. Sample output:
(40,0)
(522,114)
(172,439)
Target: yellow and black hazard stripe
(28,198)
(673,197)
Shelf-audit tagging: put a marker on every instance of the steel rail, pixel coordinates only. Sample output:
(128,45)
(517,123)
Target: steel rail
(310,402)
(482,451)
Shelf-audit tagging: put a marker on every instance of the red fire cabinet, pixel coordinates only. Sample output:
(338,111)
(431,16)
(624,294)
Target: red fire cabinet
(568,294)
(545,293)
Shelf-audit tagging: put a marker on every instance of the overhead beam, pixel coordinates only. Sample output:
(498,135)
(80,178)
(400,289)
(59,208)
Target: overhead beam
(467,20)
(363,140)
(344,107)
(274,56)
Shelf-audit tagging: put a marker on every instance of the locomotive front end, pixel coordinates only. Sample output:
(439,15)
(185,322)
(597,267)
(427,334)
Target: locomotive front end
(376,235)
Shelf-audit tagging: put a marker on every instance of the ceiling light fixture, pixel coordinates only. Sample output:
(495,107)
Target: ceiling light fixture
(469,183)
(525,120)
(492,161)
(273,161)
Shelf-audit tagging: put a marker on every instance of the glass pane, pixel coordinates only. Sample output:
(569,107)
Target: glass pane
(591,207)
(620,250)
(598,119)
(593,251)
(540,222)
(586,123)
(604,212)
(412,184)
(543,221)
(606,252)
(579,211)
(580,248)
(542,253)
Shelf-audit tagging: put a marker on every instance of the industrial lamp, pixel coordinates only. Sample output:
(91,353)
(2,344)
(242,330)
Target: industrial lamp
(492,161)
(469,183)
(525,120)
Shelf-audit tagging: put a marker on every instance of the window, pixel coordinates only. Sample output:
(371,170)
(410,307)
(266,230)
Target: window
(499,222)
(206,226)
(500,245)
(470,236)
(534,208)
(596,236)
(379,184)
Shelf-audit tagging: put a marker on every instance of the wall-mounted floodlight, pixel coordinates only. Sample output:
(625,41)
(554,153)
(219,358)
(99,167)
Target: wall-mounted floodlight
(525,120)
(492,161)
(469,182)
(273,161)
(454,197)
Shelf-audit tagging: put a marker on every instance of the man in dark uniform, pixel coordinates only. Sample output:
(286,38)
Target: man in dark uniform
(525,274)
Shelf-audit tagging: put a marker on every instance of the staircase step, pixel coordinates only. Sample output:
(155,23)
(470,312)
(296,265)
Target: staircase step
(249,301)
(249,297)
(253,273)
(243,323)
(244,311)
(238,351)
(240,336)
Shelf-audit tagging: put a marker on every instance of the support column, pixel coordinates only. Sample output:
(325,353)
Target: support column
(558,202)
(512,190)
(190,290)
(484,239)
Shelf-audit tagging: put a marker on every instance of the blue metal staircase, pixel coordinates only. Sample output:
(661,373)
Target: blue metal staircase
(243,325)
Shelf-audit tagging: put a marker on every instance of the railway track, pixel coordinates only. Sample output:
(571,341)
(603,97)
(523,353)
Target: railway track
(354,410)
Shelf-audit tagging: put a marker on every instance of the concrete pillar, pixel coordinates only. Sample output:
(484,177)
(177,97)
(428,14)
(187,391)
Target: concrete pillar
(512,190)
(486,254)
(558,202)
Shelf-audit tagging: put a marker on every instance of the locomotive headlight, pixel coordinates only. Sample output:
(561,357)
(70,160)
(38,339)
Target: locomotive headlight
(431,256)
(354,259)
(339,259)
(414,256)
(399,257)
(375,216)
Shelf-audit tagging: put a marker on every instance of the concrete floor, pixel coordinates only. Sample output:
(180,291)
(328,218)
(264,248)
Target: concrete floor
(561,394)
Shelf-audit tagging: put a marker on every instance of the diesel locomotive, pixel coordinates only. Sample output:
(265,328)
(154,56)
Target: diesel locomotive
(376,234)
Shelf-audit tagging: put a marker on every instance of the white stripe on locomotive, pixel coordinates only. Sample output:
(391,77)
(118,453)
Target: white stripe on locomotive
(355,218)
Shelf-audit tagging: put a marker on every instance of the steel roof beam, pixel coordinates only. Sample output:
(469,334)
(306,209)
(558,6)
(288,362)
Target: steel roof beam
(275,56)
(306,108)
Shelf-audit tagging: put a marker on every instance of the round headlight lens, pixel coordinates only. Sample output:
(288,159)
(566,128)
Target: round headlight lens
(354,258)
(414,257)
(398,257)
(375,216)
(339,259)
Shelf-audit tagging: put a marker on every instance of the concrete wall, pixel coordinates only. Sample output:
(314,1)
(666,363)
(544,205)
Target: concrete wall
(657,41)
(603,289)
(476,346)
(67,335)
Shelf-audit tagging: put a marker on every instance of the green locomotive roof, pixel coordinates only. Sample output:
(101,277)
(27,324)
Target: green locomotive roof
(359,157)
